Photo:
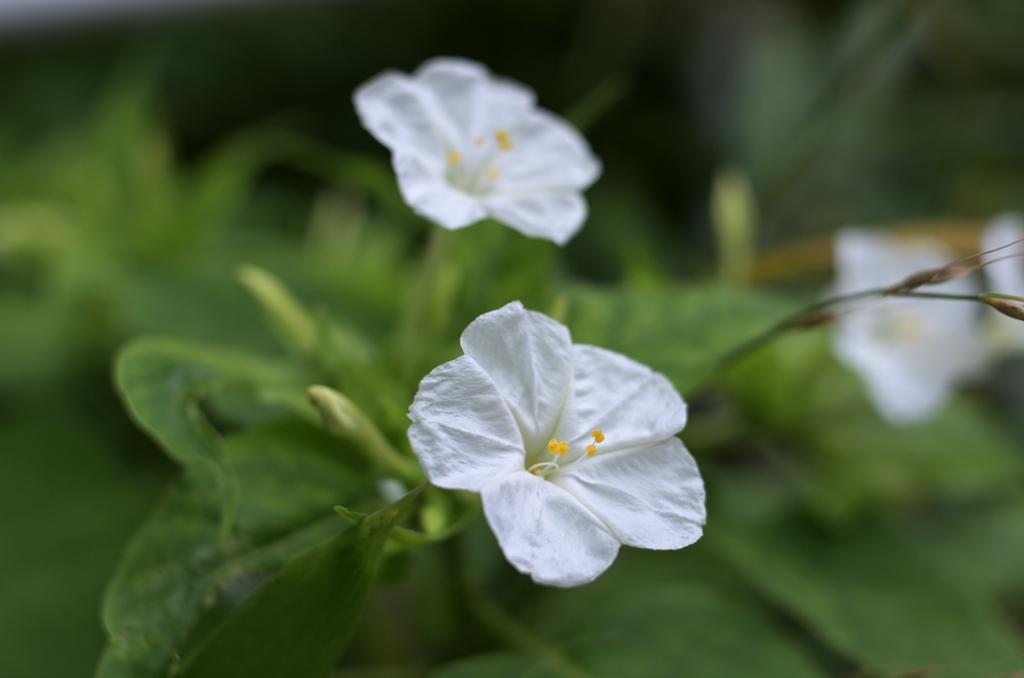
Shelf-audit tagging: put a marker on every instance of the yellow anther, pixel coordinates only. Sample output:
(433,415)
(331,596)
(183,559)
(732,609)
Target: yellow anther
(563,447)
(455,157)
(598,435)
(553,446)
(492,173)
(591,450)
(479,141)
(504,142)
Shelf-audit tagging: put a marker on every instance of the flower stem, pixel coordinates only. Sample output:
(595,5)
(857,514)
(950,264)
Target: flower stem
(502,625)
(816,314)
(411,325)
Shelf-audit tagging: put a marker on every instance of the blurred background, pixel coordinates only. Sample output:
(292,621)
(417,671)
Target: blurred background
(146,149)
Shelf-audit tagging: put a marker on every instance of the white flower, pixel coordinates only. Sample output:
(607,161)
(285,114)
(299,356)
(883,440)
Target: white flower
(572,447)
(466,145)
(1005,277)
(909,352)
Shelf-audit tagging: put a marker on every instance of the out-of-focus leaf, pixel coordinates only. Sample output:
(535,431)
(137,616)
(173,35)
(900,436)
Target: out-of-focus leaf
(66,506)
(297,624)
(796,391)
(494,665)
(681,332)
(290,476)
(163,382)
(661,631)
(873,597)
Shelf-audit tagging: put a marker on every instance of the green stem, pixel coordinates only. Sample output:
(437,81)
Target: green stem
(411,325)
(505,627)
(806,317)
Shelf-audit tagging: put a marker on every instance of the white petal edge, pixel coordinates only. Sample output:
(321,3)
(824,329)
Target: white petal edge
(463,432)
(549,154)
(650,497)
(634,405)
(545,532)
(471,99)
(430,195)
(392,108)
(528,357)
(555,216)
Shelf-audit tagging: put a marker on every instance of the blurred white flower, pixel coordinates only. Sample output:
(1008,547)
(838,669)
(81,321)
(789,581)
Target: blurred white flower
(466,145)
(1005,277)
(910,353)
(572,447)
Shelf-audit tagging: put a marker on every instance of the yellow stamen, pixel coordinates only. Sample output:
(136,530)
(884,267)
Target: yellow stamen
(591,450)
(455,157)
(553,446)
(563,448)
(492,172)
(598,435)
(504,142)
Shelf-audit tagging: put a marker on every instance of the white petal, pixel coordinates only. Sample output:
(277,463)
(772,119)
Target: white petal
(650,497)
(630,402)
(545,532)
(473,101)
(528,357)
(429,194)
(462,432)
(392,107)
(547,154)
(1006,276)
(910,354)
(553,216)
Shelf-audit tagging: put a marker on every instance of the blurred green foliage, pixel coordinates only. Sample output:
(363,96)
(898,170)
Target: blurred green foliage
(141,166)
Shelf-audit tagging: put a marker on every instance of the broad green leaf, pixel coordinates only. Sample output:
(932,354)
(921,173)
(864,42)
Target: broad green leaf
(290,475)
(660,631)
(851,458)
(871,596)
(495,665)
(67,503)
(681,332)
(163,382)
(297,624)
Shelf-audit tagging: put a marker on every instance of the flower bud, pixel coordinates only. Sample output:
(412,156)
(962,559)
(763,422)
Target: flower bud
(1009,308)
(340,416)
(281,307)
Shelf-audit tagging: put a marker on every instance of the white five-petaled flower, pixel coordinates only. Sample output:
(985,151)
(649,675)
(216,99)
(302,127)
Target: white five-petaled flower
(572,447)
(466,145)
(909,352)
(1005,276)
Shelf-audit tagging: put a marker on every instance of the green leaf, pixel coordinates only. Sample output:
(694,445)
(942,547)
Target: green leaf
(67,503)
(648,631)
(852,458)
(681,332)
(289,476)
(298,623)
(871,596)
(163,382)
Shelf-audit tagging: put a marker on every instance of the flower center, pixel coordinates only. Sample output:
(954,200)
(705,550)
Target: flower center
(474,170)
(561,449)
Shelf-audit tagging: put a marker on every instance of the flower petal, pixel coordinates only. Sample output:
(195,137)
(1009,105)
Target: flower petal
(463,432)
(554,216)
(545,532)
(392,107)
(528,357)
(650,497)
(473,101)
(547,154)
(431,196)
(634,405)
